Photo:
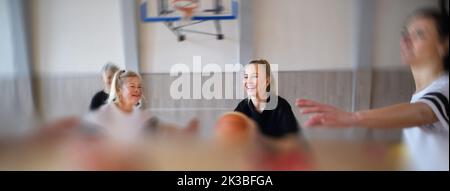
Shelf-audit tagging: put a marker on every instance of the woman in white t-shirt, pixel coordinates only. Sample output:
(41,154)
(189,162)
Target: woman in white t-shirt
(425,119)
(121,116)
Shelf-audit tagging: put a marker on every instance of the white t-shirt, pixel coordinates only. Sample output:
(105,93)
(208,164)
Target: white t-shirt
(110,120)
(428,145)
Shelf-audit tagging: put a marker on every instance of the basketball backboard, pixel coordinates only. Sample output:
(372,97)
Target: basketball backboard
(164,10)
(169,12)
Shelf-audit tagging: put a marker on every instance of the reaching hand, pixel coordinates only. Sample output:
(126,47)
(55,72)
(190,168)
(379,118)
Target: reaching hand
(325,115)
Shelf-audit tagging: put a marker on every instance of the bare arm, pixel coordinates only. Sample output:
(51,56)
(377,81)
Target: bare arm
(396,116)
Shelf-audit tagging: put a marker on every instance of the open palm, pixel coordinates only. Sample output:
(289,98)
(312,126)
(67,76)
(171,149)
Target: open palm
(324,115)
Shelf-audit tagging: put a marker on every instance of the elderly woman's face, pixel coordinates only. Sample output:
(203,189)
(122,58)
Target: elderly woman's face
(131,90)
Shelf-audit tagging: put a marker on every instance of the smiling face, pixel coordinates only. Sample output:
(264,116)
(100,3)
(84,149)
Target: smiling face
(131,91)
(256,81)
(421,42)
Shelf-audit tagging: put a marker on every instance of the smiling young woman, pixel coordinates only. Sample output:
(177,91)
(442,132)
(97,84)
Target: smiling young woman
(274,121)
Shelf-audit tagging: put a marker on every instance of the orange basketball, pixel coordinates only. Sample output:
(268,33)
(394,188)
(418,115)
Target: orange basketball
(234,128)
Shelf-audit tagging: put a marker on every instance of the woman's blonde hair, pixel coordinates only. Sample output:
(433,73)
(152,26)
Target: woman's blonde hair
(118,82)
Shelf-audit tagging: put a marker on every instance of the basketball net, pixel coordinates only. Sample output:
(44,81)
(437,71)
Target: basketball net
(186,7)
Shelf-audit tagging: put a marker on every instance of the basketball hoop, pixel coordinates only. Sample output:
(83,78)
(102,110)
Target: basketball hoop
(186,7)
(179,14)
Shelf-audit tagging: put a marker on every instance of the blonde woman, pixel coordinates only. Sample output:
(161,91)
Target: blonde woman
(121,114)
(122,117)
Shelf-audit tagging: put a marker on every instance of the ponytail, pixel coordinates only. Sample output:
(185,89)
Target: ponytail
(115,86)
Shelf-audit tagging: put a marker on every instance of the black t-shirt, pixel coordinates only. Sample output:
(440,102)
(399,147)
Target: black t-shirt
(98,100)
(275,123)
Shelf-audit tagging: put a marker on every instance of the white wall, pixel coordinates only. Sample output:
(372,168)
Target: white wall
(76,36)
(160,49)
(296,34)
(390,18)
(317,34)
(304,34)
(79,36)
(6,44)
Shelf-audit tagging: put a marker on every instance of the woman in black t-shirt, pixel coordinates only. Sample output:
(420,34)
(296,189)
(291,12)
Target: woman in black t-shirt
(272,113)
(101,97)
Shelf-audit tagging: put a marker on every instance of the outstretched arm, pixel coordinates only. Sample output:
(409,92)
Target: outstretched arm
(396,116)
